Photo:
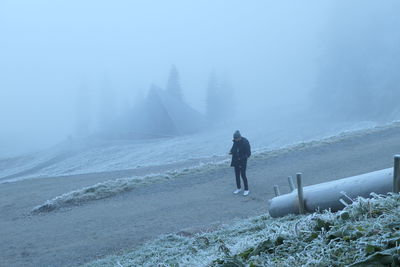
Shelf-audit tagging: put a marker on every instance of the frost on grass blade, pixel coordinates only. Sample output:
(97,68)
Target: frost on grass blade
(365,233)
(95,192)
(114,187)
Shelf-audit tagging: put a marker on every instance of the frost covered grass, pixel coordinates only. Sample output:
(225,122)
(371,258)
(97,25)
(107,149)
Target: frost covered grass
(113,187)
(96,155)
(365,233)
(95,192)
(342,136)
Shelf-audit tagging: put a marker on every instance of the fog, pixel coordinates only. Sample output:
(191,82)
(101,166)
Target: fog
(359,63)
(67,65)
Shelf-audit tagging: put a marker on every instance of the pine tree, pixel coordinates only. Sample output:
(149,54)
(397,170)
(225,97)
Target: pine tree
(107,111)
(358,73)
(227,95)
(83,109)
(173,84)
(213,100)
(220,100)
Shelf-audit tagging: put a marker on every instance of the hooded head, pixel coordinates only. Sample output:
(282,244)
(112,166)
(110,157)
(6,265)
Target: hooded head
(237,135)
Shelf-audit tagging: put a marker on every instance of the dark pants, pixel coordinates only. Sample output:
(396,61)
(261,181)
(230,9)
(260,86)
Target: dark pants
(241,170)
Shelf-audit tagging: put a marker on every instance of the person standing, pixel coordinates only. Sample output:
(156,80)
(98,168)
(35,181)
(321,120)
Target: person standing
(240,152)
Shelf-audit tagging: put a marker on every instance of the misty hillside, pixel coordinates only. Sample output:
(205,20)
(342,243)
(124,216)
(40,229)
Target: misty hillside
(356,78)
(99,154)
(335,59)
(153,133)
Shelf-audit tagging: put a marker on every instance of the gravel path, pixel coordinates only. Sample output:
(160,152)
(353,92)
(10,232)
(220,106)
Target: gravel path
(76,235)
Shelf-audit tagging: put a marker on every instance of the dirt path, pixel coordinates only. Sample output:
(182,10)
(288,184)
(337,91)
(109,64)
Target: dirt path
(70,237)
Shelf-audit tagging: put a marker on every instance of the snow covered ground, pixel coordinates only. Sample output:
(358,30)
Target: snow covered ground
(99,155)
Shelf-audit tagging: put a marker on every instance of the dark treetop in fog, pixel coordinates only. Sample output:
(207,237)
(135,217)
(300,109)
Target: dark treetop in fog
(69,67)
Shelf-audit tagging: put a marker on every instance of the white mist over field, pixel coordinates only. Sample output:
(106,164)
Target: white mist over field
(117,120)
(72,69)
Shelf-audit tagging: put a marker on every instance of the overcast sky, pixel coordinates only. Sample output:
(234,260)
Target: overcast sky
(49,49)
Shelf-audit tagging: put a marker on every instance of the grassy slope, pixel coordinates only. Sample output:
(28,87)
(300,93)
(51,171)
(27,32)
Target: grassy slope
(366,233)
(113,187)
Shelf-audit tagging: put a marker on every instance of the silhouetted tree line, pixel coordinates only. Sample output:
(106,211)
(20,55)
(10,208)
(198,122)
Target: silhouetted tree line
(163,112)
(359,72)
(220,104)
(219,100)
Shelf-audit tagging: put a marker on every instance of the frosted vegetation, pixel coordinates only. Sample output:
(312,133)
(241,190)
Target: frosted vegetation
(97,155)
(365,233)
(113,187)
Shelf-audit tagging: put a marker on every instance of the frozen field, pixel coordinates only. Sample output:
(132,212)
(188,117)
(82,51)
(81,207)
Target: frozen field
(94,216)
(97,155)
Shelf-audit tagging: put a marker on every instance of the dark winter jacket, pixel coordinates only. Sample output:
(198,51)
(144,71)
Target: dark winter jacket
(240,151)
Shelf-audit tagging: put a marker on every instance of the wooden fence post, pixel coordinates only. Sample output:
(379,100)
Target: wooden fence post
(276,189)
(300,193)
(396,174)
(291,184)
